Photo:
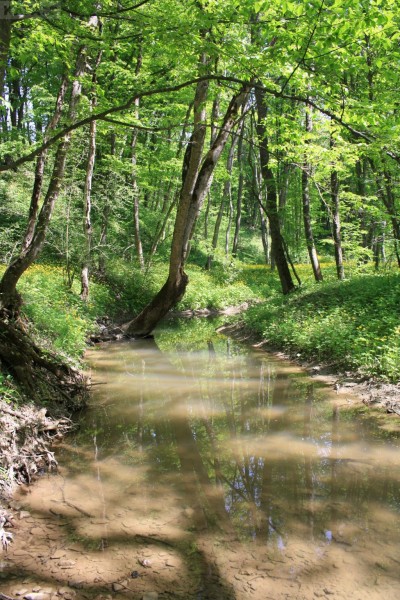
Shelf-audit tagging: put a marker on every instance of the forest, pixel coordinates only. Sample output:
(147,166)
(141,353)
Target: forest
(143,142)
(200,158)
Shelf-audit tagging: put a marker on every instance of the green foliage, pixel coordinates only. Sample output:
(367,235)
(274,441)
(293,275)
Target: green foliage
(218,289)
(351,325)
(8,392)
(60,319)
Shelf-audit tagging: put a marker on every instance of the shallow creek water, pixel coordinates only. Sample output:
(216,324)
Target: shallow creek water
(220,472)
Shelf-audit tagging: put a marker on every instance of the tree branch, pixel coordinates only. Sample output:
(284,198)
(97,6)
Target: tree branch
(368,137)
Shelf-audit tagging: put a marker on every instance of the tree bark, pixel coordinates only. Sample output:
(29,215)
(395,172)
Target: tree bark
(271,206)
(336,226)
(239,196)
(5,40)
(9,298)
(87,211)
(40,164)
(196,181)
(312,252)
(135,186)
(226,197)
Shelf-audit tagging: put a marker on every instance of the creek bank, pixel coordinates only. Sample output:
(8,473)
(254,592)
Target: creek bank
(27,439)
(377,395)
(108,332)
(373,393)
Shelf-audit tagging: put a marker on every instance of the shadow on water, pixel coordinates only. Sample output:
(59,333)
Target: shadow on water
(233,473)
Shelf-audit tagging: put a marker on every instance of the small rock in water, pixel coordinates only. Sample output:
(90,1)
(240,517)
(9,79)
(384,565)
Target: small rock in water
(75,584)
(36,596)
(150,596)
(63,590)
(135,574)
(145,562)
(21,592)
(66,564)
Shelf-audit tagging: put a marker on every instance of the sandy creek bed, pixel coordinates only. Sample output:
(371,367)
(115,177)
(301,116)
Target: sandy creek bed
(216,474)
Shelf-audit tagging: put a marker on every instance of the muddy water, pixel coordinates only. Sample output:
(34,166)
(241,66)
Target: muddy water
(219,473)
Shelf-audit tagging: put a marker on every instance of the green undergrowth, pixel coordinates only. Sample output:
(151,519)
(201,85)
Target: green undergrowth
(62,322)
(353,324)
(223,286)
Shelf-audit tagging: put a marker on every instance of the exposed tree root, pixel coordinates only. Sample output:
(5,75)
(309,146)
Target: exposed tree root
(45,387)
(39,374)
(26,434)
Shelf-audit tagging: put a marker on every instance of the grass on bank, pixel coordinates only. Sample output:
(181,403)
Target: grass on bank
(62,322)
(352,325)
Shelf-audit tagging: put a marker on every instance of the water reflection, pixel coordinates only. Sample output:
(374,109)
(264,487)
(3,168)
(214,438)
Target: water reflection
(242,457)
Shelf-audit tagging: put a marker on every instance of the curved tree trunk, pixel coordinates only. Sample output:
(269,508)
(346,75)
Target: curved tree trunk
(9,299)
(196,182)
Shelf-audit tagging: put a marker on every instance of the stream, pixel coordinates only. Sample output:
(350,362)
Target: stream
(207,469)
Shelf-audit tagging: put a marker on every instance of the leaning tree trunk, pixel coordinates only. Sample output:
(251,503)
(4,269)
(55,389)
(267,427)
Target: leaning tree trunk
(40,375)
(9,298)
(40,165)
(195,186)
(271,206)
(312,252)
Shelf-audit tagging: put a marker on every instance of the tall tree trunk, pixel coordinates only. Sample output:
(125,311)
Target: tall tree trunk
(87,192)
(135,186)
(5,39)
(196,181)
(226,196)
(9,298)
(312,252)
(230,217)
(336,226)
(87,212)
(39,168)
(136,193)
(264,236)
(217,227)
(271,206)
(239,196)
(105,218)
